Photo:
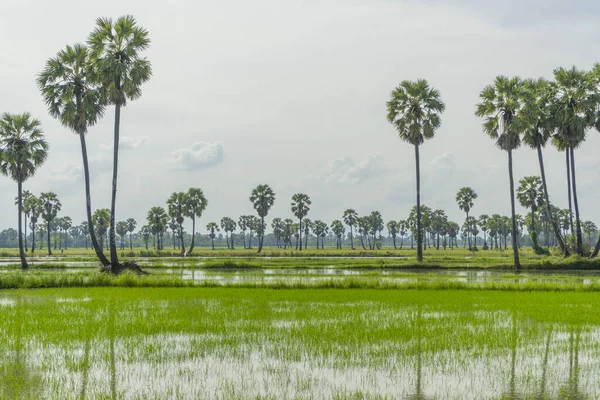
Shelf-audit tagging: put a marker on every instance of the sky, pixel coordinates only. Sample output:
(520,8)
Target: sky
(293,94)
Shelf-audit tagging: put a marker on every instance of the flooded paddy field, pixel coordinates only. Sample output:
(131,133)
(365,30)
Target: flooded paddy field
(150,343)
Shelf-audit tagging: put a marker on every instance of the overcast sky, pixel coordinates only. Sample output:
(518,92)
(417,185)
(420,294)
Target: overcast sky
(292,93)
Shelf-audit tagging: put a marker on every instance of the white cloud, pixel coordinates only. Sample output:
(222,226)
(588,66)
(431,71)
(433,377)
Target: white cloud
(128,143)
(201,155)
(345,170)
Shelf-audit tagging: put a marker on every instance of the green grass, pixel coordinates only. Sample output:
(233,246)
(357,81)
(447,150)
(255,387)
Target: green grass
(152,343)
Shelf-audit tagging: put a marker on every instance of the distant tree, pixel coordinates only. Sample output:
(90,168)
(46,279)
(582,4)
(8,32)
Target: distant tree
(101,220)
(362,224)
(337,227)
(64,225)
(350,216)
(75,232)
(26,211)
(414,109)
(402,230)
(228,225)
(278,230)
(300,208)
(196,204)
(174,228)
(376,224)
(392,227)
(49,212)
(453,229)
(35,206)
(243,225)
(465,199)
(318,228)
(483,221)
(23,149)
(122,229)
(145,232)
(288,232)
(253,224)
(262,199)
(85,231)
(589,229)
(308,226)
(212,227)
(157,221)
(178,204)
(131,225)
(530,194)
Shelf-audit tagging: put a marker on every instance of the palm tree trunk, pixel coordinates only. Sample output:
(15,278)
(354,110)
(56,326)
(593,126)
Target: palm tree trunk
(300,233)
(49,246)
(213,243)
(33,238)
(88,204)
(130,243)
(468,231)
(517,263)
(351,239)
(576,204)
(231,239)
(21,250)
(260,240)
(597,248)
(181,240)
(569,190)
(189,253)
(26,249)
(114,259)
(559,237)
(419,234)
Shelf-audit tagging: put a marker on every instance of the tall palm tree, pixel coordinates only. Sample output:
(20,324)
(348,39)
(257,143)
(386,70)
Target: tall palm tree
(300,207)
(212,227)
(116,47)
(262,199)
(572,105)
(465,198)
(350,216)
(131,224)
(501,107)
(414,109)
(50,210)
(531,195)
(536,134)
(23,149)
(177,205)
(196,204)
(74,97)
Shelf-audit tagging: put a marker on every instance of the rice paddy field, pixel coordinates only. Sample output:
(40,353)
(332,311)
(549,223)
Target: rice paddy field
(328,327)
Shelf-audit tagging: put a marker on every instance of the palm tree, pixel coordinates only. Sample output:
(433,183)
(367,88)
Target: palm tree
(116,48)
(212,227)
(65,224)
(277,226)
(300,207)
(26,211)
(402,230)
(243,224)
(375,225)
(483,221)
(531,195)
(572,106)
(74,97)
(145,232)
(536,134)
(308,225)
(262,199)
(23,150)
(75,232)
(288,232)
(177,203)
(589,229)
(35,206)
(49,211)
(414,109)
(337,227)
(392,227)
(465,198)
(131,224)
(101,219)
(85,231)
(196,204)
(122,229)
(157,221)
(350,216)
(501,107)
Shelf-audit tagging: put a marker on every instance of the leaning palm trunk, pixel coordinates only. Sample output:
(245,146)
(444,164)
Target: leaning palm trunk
(262,235)
(114,259)
(555,227)
(181,240)
(596,249)
(189,253)
(419,233)
(569,189)
(512,209)
(21,251)
(88,203)
(578,235)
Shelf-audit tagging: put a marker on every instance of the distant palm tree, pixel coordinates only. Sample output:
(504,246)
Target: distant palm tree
(262,199)
(131,224)
(145,233)
(300,207)
(573,106)
(84,228)
(101,220)
(26,211)
(74,97)
(308,225)
(392,227)
(402,230)
(212,227)
(23,149)
(157,221)
(530,194)
(501,107)
(122,229)
(483,221)
(35,206)
(196,204)
(277,226)
(65,224)
(337,227)
(590,229)
(243,224)
(177,204)
(350,216)
(116,48)
(414,109)
(537,132)
(75,232)
(49,212)
(465,198)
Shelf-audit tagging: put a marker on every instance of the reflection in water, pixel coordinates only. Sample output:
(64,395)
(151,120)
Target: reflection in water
(18,380)
(571,389)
